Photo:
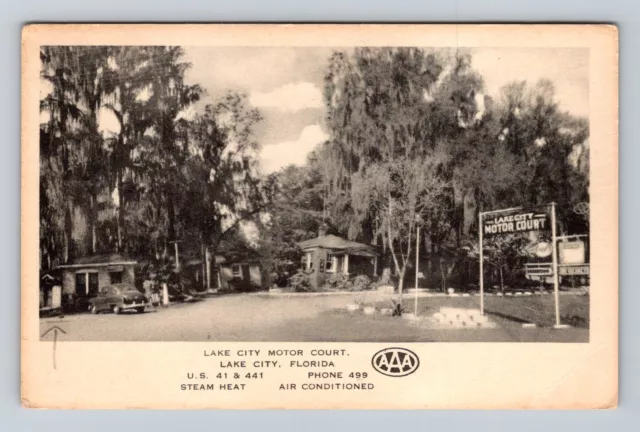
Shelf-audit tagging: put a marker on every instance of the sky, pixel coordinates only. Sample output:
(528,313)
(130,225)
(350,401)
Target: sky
(285,84)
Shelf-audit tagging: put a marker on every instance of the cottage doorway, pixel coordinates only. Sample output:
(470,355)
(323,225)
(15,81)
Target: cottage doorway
(245,272)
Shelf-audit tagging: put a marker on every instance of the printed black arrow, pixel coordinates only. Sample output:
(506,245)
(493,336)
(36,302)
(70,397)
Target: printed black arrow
(55,329)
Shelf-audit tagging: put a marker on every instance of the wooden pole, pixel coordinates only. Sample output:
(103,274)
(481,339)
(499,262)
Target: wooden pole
(417,268)
(207,260)
(177,256)
(555,263)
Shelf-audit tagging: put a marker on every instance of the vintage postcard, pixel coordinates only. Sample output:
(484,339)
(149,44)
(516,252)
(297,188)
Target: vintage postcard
(320,216)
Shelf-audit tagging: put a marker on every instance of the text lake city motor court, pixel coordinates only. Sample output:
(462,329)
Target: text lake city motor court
(516,223)
(318,353)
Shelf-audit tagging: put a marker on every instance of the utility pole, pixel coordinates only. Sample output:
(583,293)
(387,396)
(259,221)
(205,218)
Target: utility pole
(417,269)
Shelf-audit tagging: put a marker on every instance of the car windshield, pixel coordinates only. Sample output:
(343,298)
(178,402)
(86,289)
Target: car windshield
(126,289)
(129,291)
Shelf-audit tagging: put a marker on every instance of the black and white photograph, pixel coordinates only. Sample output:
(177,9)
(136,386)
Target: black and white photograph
(314,194)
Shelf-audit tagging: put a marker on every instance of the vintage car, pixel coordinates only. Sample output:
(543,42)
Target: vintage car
(117,298)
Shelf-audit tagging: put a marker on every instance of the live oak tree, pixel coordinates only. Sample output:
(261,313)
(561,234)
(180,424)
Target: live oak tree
(400,192)
(220,182)
(295,214)
(515,148)
(165,171)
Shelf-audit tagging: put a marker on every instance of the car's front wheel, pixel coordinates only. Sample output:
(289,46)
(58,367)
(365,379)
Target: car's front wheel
(117,309)
(140,309)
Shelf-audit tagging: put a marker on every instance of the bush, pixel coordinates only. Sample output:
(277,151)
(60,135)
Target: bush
(339,281)
(241,285)
(300,282)
(361,283)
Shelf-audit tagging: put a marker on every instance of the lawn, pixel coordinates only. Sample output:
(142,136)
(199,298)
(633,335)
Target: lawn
(540,310)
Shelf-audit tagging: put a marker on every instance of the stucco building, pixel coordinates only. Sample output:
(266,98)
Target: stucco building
(329,254)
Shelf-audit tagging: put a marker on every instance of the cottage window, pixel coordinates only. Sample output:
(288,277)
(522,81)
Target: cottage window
(235,269)
(329,265)
(309,265)
(115,277)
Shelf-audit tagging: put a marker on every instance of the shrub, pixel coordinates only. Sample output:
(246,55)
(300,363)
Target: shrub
(339,281)
(361,283)
(397,309)
(300,282)
(240,285)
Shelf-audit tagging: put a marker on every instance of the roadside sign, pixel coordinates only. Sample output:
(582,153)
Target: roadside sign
(536,270)
(574,270)
(540,249)
(522,221)
(571,252)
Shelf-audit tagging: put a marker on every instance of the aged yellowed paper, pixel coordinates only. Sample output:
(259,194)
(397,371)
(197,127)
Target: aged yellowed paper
(320,216)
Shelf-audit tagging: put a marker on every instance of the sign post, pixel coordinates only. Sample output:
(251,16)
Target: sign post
(415,307)
(554,254)
(522,221)
(494,228)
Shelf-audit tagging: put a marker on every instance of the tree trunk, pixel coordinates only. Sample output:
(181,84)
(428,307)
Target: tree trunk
(205,280)
(400,286)
(92,221)
(172,217)
(65,255)
(468,212)
(120,222)
(501,281)
(207,261)
(68,231)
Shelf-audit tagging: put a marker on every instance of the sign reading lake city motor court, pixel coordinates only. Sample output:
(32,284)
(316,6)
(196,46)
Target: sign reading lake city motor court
(517,222)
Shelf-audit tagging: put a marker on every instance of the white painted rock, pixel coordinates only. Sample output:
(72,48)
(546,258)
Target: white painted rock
(509,294)
(451,291)
(465,295)
(353,307)
(518,293)
(448,311)
(369,310)
(386,289)
(527,293)
(386,311)
(499,294)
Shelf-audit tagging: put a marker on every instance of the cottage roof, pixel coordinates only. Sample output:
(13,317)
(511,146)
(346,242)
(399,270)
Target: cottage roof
(219,259)
(338,243)
(100,260)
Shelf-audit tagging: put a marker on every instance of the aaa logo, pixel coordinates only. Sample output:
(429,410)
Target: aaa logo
(395,362)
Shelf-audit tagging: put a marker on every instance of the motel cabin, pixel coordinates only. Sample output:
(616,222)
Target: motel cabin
(84,277)
(329,254)
(230,273)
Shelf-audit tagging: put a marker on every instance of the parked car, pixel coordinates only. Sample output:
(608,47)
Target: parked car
(117,298)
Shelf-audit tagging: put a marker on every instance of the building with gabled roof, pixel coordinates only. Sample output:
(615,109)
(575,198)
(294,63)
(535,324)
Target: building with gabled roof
(329,254)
